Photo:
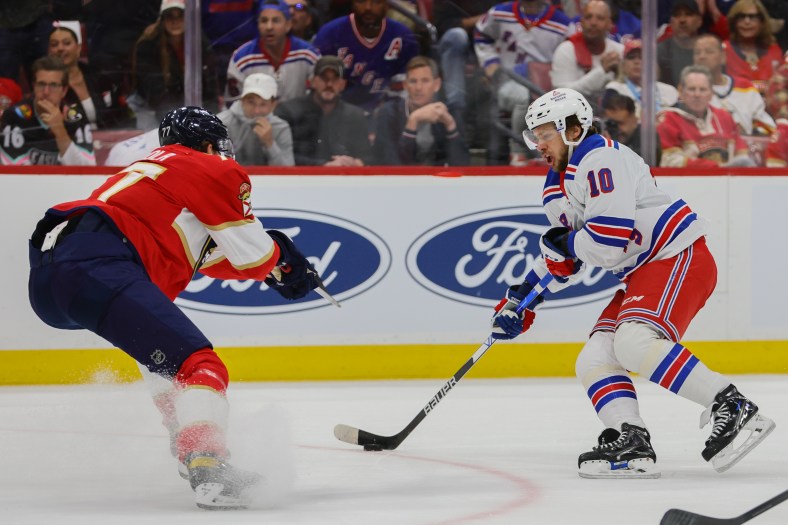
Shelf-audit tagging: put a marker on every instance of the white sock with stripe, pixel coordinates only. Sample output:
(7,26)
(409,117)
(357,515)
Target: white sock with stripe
(672,366)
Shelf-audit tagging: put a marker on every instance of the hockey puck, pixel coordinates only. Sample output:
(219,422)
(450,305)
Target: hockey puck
(374,447)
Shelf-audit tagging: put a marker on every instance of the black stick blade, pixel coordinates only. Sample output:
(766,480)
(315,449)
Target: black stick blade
(683,517)
(369,441)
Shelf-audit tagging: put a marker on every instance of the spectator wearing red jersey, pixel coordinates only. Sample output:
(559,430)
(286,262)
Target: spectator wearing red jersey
(695,133)
(777,105)
(751,51)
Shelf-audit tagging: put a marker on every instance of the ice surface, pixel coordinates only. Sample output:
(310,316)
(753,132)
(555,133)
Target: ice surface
(493,452)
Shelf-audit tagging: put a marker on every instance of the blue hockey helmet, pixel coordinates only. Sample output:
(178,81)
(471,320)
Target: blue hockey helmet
(193,127)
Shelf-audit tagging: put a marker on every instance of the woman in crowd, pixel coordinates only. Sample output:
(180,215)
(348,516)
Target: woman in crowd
(751,51)
(158,64)
(103,102)
(630,78)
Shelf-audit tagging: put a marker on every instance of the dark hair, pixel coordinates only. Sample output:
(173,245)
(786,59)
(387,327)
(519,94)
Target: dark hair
(64,28)
(615,101)
(572,120)
(51,63)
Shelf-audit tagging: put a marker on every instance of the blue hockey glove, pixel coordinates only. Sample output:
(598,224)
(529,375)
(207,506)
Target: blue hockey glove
(294,276)
(555,251)
(506,322)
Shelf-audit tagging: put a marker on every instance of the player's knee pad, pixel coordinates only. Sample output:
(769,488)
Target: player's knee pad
(634,343)
(203,368)
(596,358)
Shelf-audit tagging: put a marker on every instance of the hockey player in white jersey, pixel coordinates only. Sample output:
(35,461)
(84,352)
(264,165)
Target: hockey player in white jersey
(606,210)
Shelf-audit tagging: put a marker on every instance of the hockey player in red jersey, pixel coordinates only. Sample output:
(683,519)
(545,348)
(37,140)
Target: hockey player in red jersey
(114,262)
(606,210)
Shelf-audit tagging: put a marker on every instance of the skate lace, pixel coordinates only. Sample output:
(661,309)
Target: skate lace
(721,418)
(615,444)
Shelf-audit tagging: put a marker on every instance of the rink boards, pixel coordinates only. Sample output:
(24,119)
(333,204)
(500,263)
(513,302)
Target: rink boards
(417,261)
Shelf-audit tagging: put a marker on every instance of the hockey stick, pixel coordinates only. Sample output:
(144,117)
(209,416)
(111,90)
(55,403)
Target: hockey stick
(371,441)
(683,517)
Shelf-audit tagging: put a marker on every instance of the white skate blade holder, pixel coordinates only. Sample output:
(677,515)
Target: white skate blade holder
(208,496)
(749,437)
(642,468)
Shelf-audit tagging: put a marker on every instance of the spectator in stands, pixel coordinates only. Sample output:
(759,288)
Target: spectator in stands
(419,129)
(274,52)
(455,21)
(751,51)
(112,29)
(43,129)
(159,61)
(588,60)
(622,123)
(228,24)
(24,29)
(373,48)
(626,24)
(327,130)
(259,137)
(738,96)
(10,93)
(628,82)
(695,133)
(522,37)
(303,22)
(104,105)
(676,52)
(777,104)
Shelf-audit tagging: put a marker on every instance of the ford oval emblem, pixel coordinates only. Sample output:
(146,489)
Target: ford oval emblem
(349,258)
(474,258)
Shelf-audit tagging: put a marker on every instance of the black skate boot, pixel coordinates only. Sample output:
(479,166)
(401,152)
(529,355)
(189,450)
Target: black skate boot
(219,486)
(730,414)
(625,454)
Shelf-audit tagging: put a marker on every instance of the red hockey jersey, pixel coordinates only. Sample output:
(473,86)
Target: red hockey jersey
(691,141)
(184,210)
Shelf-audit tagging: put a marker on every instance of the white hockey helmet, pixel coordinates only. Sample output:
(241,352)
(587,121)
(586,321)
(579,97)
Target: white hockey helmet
(555,106)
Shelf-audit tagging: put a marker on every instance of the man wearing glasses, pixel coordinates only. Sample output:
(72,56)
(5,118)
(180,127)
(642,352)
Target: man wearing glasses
(301,17)
(43,130)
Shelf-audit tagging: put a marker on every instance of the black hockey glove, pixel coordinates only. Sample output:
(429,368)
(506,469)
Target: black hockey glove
(294,276)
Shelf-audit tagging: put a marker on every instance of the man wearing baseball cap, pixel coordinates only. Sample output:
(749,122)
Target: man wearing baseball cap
(327,130)
(259,137)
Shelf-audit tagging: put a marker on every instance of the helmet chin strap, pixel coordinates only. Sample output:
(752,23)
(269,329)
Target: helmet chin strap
(572,144)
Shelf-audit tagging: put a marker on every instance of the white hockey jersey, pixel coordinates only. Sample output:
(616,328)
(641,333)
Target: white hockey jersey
(620,219)
(504,35)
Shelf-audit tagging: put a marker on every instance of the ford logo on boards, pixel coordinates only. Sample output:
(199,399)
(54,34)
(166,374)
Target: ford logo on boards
(474,258)
(349,258)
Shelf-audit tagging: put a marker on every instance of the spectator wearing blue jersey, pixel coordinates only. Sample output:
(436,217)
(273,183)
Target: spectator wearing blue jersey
(419,129)
(274,52)
(373,48)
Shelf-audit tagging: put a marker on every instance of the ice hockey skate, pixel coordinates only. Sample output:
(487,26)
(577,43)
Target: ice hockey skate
(737,428)
(625,454)
(219,486)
